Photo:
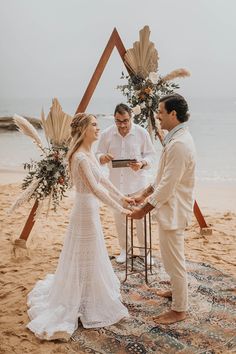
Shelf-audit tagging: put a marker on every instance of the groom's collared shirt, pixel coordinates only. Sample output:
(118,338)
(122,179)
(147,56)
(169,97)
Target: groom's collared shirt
(136,144)
(173,187)
(170,134)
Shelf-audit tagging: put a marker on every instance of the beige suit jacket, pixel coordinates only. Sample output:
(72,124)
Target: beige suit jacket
(173,187)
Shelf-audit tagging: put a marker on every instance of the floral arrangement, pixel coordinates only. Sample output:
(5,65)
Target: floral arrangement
(51,174)
(144,85)
(48,177)
(142,94)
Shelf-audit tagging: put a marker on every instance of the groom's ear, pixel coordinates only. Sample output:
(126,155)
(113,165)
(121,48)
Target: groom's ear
(173,113)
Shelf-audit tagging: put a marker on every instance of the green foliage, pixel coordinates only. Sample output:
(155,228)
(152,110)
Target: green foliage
(143,96)
(51,172)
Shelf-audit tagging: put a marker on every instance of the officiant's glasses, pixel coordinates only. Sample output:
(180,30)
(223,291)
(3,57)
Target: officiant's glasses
(119,122)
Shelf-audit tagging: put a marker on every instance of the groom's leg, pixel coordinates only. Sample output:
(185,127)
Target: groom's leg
(172,253)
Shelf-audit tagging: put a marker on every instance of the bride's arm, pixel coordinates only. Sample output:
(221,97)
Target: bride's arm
(111,188)
(94,187)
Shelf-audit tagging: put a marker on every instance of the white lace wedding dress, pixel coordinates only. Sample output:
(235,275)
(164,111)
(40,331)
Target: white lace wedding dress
(84,285)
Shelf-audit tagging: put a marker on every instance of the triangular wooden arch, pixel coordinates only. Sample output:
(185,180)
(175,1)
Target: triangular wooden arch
(114,41)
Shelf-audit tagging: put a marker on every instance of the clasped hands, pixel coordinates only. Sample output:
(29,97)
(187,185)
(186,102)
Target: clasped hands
(134,204)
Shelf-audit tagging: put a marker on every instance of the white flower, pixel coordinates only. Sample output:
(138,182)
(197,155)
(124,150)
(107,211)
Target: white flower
(142,105)
(126,90)
(153,77)
(136,110)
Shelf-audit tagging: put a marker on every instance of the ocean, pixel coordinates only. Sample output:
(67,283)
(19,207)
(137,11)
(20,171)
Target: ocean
(212,124)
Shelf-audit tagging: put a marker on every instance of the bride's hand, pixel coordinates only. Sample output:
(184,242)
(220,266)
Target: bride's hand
(126,212)
(127,202)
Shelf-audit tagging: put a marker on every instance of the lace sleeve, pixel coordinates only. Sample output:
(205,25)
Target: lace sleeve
(111,188)
(87,176)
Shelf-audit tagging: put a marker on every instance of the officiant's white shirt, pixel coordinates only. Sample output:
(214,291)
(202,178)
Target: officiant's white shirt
(136,144)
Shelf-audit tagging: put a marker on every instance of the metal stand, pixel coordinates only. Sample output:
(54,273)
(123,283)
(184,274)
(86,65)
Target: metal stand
(130,249)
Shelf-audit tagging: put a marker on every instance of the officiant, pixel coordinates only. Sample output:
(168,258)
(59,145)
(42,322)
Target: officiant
(125,140)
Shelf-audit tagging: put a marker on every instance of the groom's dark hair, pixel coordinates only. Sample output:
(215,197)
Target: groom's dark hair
(122,108)
(177,103)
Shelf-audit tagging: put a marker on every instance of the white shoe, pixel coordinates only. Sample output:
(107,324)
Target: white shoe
(150,260)
(122,257)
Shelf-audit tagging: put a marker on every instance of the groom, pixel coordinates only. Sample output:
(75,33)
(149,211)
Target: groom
(172,197)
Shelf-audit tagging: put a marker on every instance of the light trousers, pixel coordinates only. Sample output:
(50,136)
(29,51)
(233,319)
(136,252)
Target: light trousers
(173,258)
(120,222)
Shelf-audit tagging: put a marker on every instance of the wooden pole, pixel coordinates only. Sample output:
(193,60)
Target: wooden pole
(29,223)
(114,41)
(197,212)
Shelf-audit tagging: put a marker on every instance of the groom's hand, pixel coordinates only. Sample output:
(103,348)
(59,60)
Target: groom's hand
(139,198)
(139,213)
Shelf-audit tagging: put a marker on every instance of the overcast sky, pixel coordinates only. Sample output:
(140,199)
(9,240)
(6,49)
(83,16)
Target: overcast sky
(51,47)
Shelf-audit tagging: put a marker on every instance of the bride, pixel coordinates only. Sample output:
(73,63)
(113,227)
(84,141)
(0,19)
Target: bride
(84,285)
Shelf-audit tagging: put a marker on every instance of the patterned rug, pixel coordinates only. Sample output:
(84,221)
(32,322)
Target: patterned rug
(210,326)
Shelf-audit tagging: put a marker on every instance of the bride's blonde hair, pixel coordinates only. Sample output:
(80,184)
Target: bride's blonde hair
(79,125)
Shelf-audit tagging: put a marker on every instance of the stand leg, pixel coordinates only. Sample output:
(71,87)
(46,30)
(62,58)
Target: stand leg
(132,244)
(126,249)
(150,241)
(145,249)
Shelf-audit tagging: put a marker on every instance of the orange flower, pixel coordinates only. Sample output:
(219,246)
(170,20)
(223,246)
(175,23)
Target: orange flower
(56,155)
(61,180)
(148,90)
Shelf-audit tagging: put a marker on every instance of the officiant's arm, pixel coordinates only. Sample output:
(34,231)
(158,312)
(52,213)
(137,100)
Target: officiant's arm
(148,152)
(139,213)
(102,150)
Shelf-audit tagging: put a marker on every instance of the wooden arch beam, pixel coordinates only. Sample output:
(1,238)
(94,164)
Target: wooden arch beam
(114,41)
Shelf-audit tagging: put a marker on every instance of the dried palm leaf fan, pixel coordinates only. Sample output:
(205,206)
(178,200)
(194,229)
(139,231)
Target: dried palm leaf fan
(57,125)
(143,57)
(141,60)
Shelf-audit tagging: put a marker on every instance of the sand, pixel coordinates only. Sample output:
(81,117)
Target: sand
(21,270)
